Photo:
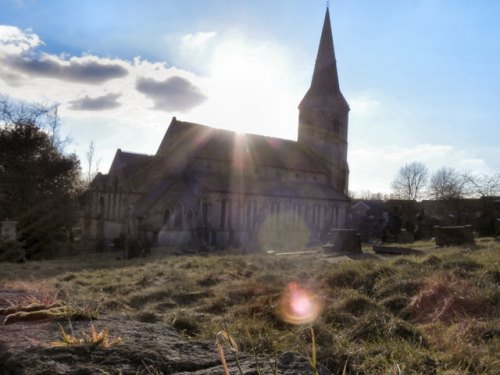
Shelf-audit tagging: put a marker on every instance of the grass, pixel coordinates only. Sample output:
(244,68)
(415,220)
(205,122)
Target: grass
(433,314)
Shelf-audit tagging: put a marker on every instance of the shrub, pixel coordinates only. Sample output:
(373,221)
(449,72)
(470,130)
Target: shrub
(186,324)
(11,251)
(147,317)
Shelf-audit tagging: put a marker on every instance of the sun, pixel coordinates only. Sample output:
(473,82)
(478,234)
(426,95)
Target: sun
(249,89)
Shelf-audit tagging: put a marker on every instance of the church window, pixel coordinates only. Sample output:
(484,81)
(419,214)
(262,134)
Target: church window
(223,214)
(101,207)
(178,216)
(249,216)
(275,213)
(315,214)
(189,219)
(255,216)
(166,216)
(205,212)
(238,215)
(336,127)
(229,220)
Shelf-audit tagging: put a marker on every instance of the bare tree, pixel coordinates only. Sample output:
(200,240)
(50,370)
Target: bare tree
(368,195)
(23,113)
(44,116)
(410,181)
(92,164)
(484,185)
(447,183)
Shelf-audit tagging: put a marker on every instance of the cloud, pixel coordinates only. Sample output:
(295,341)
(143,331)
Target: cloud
(376,166)
(197,40)
(11,78)
(86,69)
(364,106)
(174,93)
(15,41)
(82,79)
(18,56)
(99,103)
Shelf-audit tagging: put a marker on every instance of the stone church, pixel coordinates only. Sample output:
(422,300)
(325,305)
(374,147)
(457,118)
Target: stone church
(214,187)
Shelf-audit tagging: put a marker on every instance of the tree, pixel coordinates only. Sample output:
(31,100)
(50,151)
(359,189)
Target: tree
(39,184)
(447,183)
(90,161)
(410,181)
(368,195)
(485,185)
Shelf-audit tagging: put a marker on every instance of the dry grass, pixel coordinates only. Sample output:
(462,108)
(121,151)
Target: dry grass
(437,313)
(94,338)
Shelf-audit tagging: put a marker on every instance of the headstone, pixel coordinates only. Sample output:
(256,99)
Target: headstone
(8,230)
(406,237)
(457,235)
(343,241)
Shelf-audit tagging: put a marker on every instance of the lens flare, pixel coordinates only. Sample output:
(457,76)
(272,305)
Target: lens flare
(298,305)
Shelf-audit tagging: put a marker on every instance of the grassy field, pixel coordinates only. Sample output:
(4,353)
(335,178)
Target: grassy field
(435,313)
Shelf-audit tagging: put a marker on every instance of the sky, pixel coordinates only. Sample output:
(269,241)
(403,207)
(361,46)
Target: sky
(422,77)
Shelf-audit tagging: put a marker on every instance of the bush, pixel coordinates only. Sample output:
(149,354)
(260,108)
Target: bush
(11,251)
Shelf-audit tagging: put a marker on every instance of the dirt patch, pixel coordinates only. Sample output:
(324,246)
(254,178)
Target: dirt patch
(447,300)
(25,348)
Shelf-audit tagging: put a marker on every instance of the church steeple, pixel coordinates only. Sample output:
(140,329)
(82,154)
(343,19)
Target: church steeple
(325,89)
(323,113)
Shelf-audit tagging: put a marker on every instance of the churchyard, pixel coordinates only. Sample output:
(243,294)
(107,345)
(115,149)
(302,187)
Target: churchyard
(435,312)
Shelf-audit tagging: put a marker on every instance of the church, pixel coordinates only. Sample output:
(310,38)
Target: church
(214,187)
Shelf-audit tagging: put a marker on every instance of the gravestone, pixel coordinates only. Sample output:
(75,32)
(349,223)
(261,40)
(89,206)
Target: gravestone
(8,231)
(342,241)
(406,237)
(457,235)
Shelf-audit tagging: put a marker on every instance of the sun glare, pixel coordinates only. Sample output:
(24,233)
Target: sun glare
(250,90)
(298,305)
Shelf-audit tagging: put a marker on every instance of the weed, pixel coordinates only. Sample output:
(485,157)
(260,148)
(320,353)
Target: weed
(186,324)
(222,339)
(94,338)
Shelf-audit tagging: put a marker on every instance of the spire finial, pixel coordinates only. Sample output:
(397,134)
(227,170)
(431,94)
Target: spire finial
(328,3)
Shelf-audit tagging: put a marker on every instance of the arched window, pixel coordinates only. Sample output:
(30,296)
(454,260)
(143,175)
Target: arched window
(249,215)
(336,127)
(178,216)
(223,214)
(166,216)
(189,219)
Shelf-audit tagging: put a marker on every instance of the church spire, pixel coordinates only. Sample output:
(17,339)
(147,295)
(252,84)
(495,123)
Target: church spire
(325,89)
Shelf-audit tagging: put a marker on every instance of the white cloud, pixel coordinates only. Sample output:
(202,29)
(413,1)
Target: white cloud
(248,87)
(376,166)
(67,79)
(364,105)
(15,41)
(197,40)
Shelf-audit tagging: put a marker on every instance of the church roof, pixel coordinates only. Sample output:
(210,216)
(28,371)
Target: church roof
(267,186)
(125,159)
(188,139)
(325,89)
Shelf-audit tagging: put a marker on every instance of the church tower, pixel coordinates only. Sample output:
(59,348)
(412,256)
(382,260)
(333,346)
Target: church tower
(323,113)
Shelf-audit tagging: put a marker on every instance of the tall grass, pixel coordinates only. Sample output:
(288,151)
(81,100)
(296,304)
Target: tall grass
(375,317)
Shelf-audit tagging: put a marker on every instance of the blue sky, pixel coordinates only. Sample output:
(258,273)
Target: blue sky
(422,77)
